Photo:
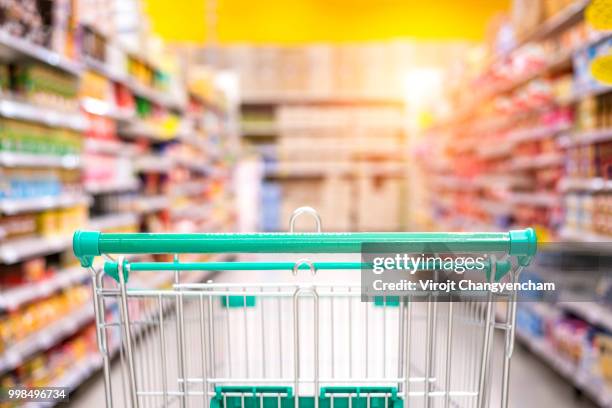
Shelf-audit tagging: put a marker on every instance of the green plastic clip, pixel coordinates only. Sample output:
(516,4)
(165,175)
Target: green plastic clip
(386,301)
(380,397)
(237,301)
(254,397)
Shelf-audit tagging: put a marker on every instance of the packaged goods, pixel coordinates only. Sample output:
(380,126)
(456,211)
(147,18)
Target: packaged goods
(33,138)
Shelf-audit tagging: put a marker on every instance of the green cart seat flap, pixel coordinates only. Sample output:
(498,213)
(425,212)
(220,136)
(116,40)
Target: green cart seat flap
(89,244)
(283,397)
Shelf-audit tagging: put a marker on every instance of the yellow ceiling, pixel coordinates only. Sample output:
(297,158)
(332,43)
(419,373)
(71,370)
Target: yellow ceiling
(306,21)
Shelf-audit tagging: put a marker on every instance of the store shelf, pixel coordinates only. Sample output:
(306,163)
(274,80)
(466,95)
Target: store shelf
(259,129)
(591,312)
(537,133)
(15,250)
(14,206)
(583,236)
(113,221)
(536,162)
(141,129)
(189,188)
(557,23)
(194,211)
(495,207)
(15,109)
(148,204)
(193,165)
(585,138)
(153,164)
(72,378)
(593,386)
(535,199)
(106,71)
(117,186)
(14,159)
(110,147)
(585,184)
(14,298)
(103,108)
(19,48)
(153,95)
(46,337)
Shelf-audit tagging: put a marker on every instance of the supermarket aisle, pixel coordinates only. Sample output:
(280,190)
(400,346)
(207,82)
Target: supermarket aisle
(535,384)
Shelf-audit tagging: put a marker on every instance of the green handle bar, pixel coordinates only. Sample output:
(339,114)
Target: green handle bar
(502,267)
(89,244)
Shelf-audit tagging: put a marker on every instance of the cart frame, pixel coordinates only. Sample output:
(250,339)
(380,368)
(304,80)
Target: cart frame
(514,248)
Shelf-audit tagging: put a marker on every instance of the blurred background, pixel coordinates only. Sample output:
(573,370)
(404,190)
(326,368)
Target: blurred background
(226,115)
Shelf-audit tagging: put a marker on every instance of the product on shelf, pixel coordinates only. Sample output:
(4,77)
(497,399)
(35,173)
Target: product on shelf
(32,270)
(61,222)
(96,86)
(45,368)
(18,325)
(107,170)
(32,138)
(24,183)
(13,226)
(45,86)
(603,343)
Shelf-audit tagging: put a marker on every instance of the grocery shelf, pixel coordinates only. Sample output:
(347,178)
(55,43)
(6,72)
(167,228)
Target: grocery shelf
(73,377)
(191,211)
(189,188)
(139,128)
(585,184)
(593,386)
(535,199)
(193,165)
(16,159)
(16,109)
(583,236)
(594,313)
(17,249)
(19,48)
(585,138)
(495,207)
(110,147)
(13,298)
(14,206)
(454,183)
(153,163)
(109,187)
(46,337)
(537,133)
(104,70)
(569,15)
(193,140)
(147,204)
(537,161)
(259,129)
(153,95)
(106,109)
(113,221)
(501,149)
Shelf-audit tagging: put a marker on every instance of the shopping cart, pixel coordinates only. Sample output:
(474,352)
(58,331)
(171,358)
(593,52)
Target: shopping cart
(262,339)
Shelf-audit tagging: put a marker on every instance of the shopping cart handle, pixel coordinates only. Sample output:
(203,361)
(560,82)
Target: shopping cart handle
(89,244)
